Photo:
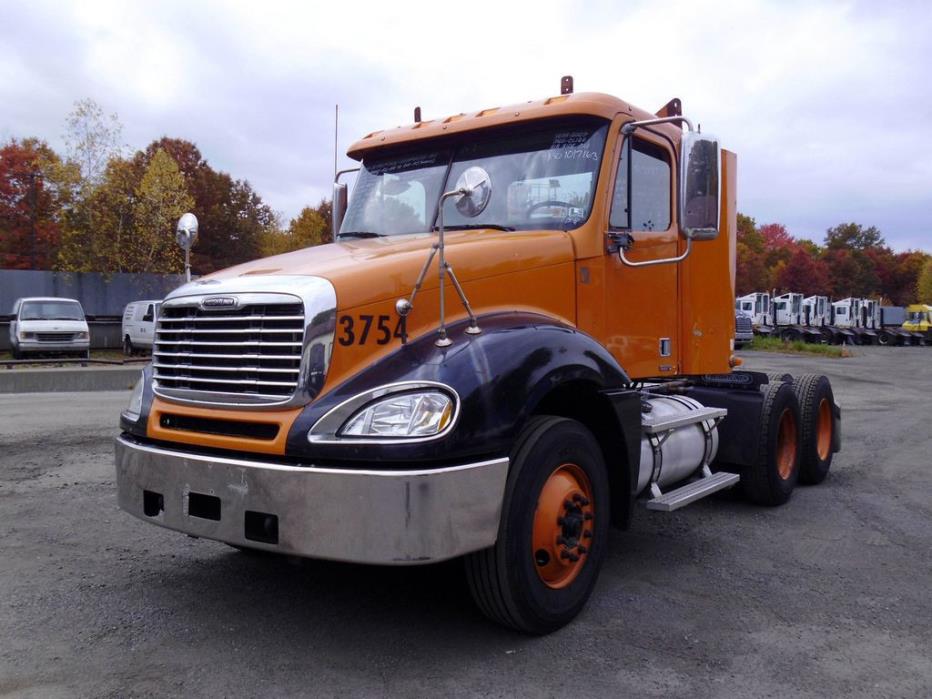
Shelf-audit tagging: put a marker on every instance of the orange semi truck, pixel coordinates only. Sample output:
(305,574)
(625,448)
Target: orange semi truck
(522,331)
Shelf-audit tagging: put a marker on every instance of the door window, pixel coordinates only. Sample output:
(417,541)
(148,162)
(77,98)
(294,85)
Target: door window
(649,208)
(148,316)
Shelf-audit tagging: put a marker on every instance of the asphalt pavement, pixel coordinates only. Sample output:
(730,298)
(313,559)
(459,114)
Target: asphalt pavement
(828,595)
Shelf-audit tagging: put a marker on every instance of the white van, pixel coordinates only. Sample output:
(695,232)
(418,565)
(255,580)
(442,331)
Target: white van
(48,324)
(139,325)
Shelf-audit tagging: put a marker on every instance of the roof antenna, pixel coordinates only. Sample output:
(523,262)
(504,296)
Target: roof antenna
(417,115)
(566,85)
(336,129)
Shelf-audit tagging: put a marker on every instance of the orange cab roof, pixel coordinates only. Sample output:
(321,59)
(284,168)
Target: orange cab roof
(590,103)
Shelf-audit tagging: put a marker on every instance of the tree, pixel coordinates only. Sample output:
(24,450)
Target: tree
(102,237)
(805,273)
(853,236)
(36,190)
(161,198)
(306,230)
(93,139)
(924,283)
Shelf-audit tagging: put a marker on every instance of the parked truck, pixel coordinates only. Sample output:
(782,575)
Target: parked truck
(757,305)
(522,332)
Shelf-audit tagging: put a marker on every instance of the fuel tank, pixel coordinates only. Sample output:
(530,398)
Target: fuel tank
(683,451)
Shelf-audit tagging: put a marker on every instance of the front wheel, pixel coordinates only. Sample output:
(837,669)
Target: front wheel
(553,532)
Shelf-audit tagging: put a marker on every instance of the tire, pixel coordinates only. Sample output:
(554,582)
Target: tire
(127,347)
(770,479)
(522,581)
(817,426)
(16,353)
(884,339)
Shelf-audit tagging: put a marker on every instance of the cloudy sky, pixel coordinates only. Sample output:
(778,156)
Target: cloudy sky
(828,104)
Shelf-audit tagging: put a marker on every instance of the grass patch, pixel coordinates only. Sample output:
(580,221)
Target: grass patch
(775,344)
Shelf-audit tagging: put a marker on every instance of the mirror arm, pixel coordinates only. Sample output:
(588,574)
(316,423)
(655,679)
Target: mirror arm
(664,261)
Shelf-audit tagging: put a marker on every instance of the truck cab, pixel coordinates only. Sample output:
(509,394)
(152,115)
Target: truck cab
(787,309)
(522,332)
(757,304)
(815,311)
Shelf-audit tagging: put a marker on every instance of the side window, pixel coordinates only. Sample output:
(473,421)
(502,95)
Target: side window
(148,316)
(649,208)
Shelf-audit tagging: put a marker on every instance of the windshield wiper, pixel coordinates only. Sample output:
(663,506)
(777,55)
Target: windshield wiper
(476,226)
(361,234)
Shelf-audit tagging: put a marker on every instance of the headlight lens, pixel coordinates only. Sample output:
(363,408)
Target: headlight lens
(404,415)
(82,335)
(26,336)
(134,409)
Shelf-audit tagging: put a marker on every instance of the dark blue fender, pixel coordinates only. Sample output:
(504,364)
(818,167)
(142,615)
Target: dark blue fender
(501,376)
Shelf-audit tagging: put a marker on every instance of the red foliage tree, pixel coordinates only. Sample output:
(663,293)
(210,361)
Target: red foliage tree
(804,273)
(33,191)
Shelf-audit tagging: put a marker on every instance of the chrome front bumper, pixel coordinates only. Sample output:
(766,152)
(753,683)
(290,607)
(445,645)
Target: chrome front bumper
(364,516)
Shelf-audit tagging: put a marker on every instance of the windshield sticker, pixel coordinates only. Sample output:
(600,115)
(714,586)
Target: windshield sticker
(571,145)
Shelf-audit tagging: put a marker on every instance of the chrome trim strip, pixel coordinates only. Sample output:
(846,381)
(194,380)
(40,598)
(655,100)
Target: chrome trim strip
(325,430)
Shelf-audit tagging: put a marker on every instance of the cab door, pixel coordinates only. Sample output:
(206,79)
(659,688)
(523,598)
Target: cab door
(641,305)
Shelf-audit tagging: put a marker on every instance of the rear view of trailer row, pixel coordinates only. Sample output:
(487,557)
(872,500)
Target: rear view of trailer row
(852,320)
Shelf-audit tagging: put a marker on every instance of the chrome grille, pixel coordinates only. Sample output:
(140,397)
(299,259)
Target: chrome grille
(250,353)
(743,324)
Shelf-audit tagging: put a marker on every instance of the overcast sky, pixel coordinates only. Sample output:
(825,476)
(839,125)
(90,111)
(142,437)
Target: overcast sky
(827,104)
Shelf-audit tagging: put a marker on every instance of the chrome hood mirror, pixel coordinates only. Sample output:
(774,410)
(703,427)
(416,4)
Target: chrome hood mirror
(476,186)
(700,186)
(186,231)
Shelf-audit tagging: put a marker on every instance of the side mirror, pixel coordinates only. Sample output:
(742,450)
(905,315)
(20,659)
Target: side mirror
(338,210)
(700,186)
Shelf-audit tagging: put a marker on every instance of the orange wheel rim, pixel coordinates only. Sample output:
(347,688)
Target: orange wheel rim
(786,444)
(563,526)
(824,430)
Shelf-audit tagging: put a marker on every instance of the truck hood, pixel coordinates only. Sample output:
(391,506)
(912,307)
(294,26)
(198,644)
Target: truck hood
(369,270)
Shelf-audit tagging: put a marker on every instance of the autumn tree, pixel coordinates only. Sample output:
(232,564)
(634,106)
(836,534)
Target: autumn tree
(924,283)
(36,190)
(161,198)
(93,139)
(804,272)
(104,240)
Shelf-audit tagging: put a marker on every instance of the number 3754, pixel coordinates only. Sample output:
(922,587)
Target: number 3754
(367,328)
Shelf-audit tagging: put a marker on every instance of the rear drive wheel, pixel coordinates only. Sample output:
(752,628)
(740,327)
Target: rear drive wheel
(817,426)
(553,532)
(770,479)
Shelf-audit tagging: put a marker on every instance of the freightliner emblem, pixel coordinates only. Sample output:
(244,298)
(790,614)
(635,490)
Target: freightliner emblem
(218,302)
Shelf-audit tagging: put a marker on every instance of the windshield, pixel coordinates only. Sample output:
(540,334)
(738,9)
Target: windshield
(916,316)
(51,310)
(543,178)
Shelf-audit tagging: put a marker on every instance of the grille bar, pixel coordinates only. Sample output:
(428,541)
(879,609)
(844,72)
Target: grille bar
(244,354)
(207,367)
(227,319)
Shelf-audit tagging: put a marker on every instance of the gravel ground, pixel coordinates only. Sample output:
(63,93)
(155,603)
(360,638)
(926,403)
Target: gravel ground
(826,596)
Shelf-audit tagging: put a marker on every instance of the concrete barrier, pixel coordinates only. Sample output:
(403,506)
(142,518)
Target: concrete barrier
(66,379)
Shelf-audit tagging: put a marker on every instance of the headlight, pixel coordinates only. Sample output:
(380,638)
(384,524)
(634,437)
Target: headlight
(134,409)
(26,336)
(402,415)
(83,335)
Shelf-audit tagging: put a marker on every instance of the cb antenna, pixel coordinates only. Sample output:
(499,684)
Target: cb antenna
(336,130)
